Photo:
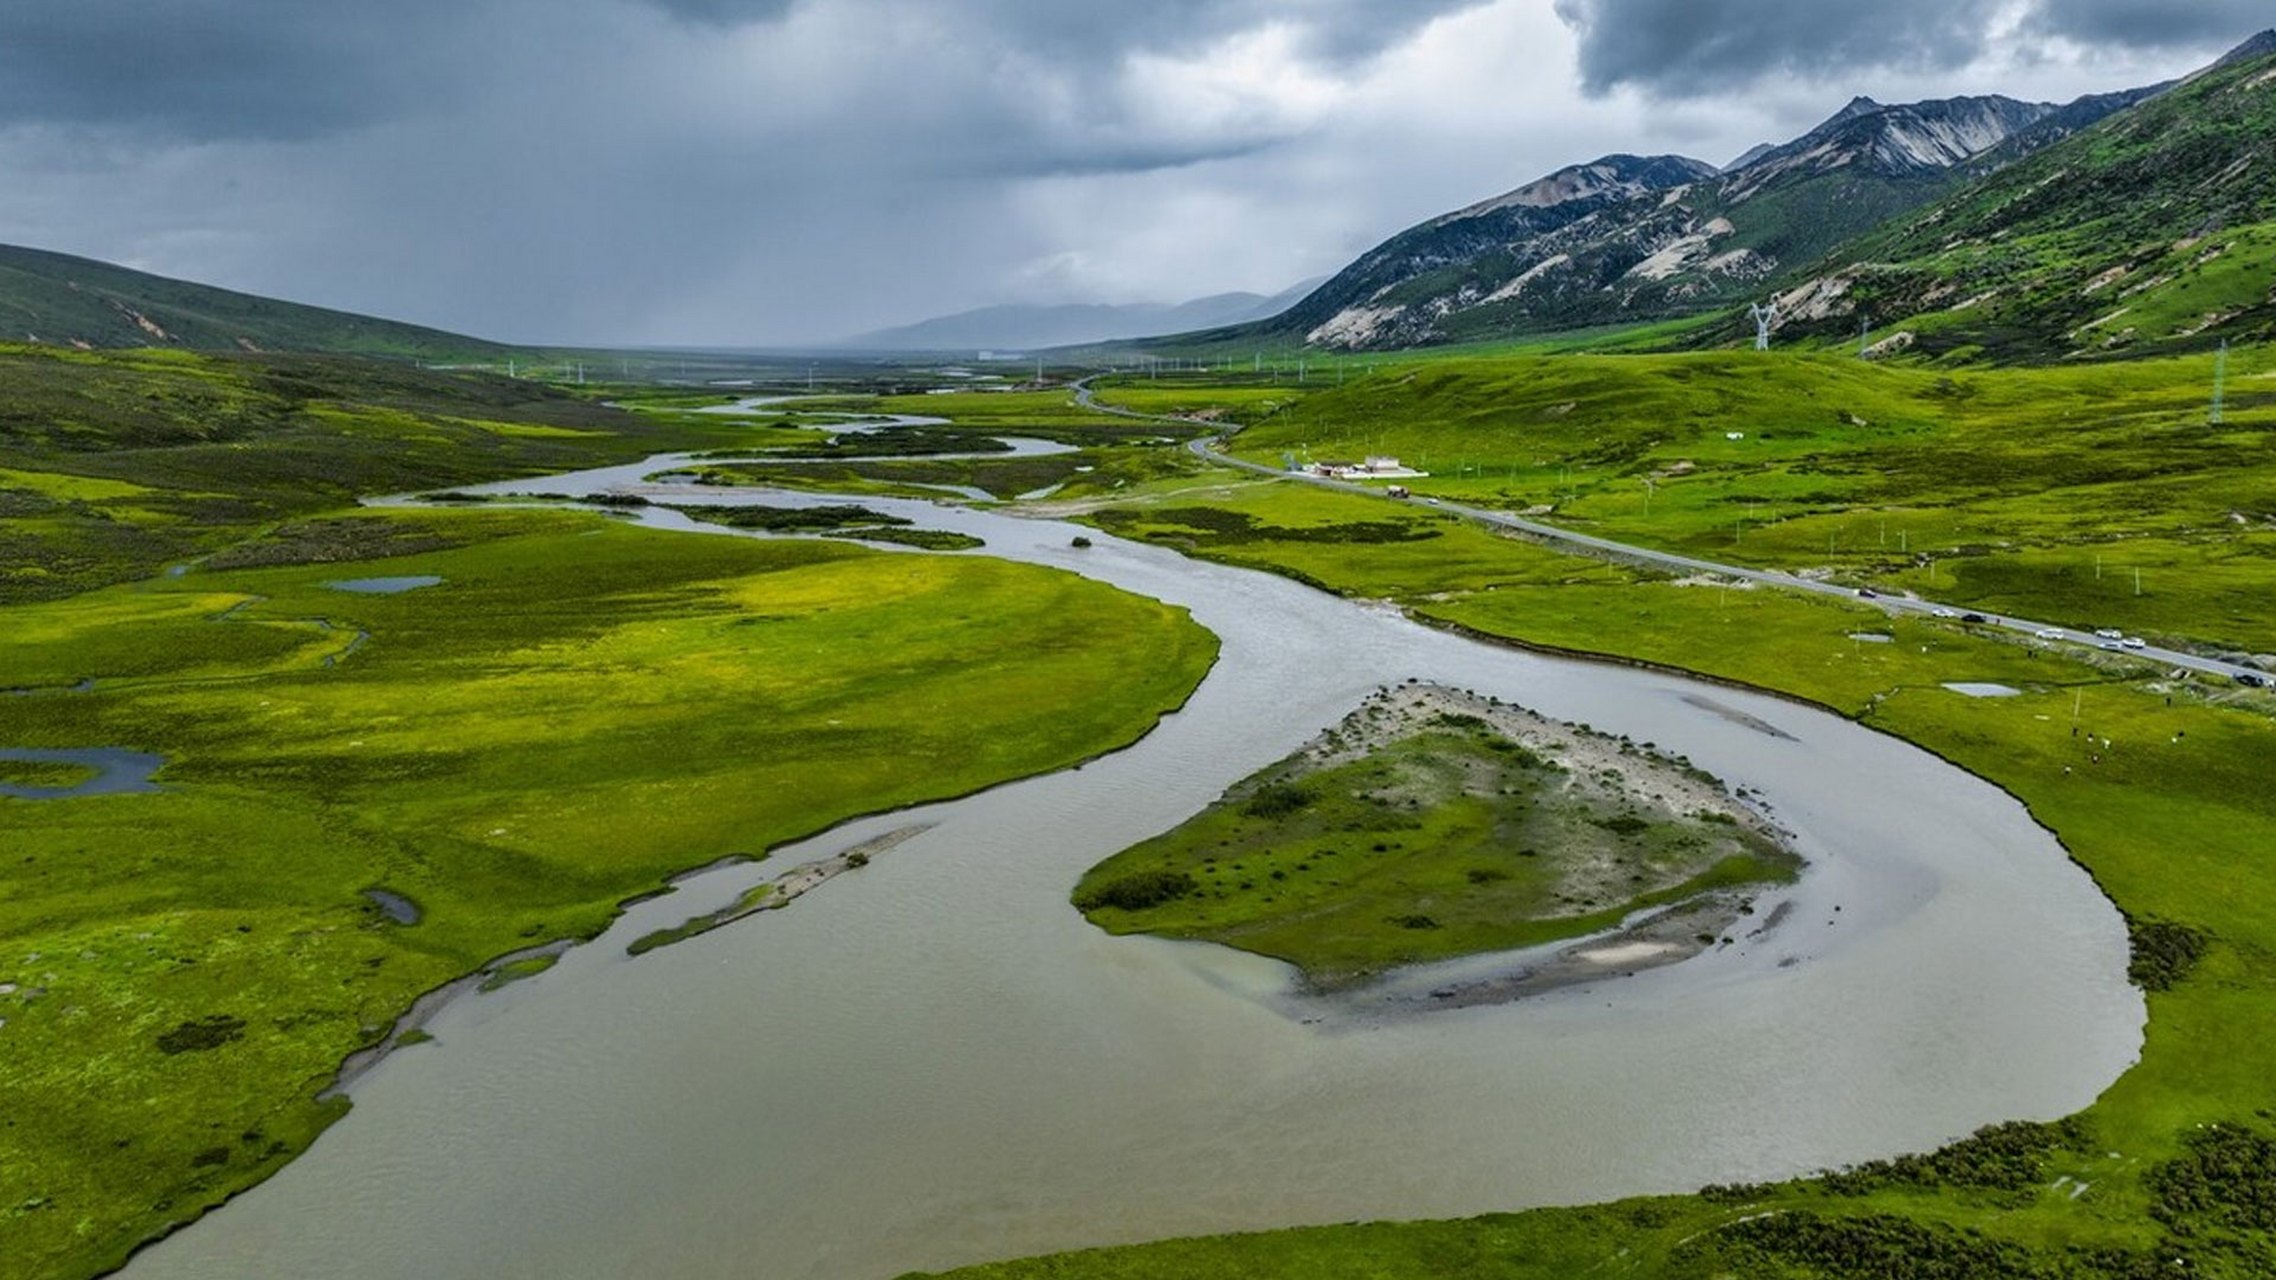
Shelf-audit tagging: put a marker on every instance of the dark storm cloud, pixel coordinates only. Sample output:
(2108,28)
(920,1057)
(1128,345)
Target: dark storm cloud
(2153,23)
(1339,30)
(171,70)
(1681,48)
(213,68)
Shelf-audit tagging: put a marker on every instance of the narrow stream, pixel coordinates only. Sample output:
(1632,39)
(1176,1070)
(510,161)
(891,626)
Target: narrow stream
(935,1060)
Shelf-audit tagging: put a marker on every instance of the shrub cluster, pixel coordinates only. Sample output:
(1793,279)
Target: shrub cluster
(1999,1157)
(1276,800)
(2226,1179)
(2163,953)
(1139,890)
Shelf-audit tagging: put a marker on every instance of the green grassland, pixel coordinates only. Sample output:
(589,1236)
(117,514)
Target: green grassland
(580,709)
(2172,817)
(183,971)
(61,299)
(1085,472)
(114,465)
(1412,834)
(2034,491)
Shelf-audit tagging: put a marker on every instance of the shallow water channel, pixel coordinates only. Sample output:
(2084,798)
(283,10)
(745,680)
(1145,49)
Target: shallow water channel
(935,1060)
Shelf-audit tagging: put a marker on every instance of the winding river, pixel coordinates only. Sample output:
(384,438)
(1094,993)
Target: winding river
(935,1060)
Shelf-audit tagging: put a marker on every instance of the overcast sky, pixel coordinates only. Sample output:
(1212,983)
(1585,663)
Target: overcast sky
(736,172)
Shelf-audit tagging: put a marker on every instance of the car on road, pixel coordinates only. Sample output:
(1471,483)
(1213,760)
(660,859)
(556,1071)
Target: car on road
(1973,617)
(1947,613)
(2049,633)
(2251,681)
(1868,593)
(2134,642)
(2109,633)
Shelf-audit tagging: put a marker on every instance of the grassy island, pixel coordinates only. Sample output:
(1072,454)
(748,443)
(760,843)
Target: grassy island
(1431,824)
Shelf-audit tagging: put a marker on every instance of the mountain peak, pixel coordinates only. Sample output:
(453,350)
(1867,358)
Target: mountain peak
(2259,46)
(1858,106)
(1618,176)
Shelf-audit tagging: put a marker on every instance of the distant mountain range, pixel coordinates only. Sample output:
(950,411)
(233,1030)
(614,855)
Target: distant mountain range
(1960,222)
(61,300)
(1020,328)
(1626,238)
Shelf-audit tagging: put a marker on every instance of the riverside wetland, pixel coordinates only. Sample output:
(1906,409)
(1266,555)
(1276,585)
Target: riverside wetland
(2006,947)
(1079,1087)
(564,713)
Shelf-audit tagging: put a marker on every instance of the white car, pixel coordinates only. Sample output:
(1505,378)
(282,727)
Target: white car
(1947,613)
(2049,633)
(2135,642)
(2110,633)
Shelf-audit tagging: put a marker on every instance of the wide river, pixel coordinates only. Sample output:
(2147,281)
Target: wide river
(935,1060)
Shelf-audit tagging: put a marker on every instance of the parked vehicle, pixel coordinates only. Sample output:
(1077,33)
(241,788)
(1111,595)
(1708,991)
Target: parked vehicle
(1973,617)
(2251,681)
(2049,633)
(2134,642)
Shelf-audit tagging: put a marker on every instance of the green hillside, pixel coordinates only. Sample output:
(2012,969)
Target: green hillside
(2154,230)
(115,464)
(60,300)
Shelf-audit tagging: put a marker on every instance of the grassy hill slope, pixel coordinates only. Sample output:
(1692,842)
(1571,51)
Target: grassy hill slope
(2154,230)
(62,300)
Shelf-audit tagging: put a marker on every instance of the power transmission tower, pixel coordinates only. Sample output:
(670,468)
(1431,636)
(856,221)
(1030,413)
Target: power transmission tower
(2220,382)
(1763,318)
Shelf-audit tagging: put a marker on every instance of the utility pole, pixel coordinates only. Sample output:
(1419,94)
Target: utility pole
(2220,382)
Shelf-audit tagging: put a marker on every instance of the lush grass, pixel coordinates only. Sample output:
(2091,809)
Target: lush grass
(581,709)
(2156,788)
(2151,231)
(1088,471)
(2002,488)
(1413,833)
(63,299)
(116,464)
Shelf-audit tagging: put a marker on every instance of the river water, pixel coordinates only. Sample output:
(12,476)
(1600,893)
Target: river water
(935,1060)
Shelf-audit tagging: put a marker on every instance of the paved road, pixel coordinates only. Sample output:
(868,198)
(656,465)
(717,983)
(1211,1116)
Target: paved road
(1209,448)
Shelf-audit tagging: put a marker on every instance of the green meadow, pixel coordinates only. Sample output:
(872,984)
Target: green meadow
(2036,491)
(578,710)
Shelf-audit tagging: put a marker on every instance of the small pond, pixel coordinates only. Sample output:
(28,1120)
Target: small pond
(385,586)
(116,771)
